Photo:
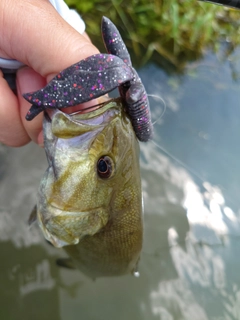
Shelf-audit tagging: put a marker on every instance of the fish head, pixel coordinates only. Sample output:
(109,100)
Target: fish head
(92,187)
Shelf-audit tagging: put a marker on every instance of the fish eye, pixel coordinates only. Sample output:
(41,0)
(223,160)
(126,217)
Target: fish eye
(104,167)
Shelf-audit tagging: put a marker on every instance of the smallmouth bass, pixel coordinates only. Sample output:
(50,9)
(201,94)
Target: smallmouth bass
(90,198)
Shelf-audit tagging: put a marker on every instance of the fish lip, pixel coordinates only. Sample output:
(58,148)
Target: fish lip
(89,117)
(51,112)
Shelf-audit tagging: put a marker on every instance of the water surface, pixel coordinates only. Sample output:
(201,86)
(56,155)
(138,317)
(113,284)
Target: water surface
(190,262)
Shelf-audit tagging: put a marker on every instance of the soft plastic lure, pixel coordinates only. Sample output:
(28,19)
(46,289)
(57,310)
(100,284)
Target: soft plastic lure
(88,79)
(132,92)
(95,76)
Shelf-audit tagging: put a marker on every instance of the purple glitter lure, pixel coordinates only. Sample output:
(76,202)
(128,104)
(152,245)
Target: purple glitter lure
(132,92)
(95,76)
(88,79)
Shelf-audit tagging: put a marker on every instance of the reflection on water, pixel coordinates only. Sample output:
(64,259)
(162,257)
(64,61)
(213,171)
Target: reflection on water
(190,262)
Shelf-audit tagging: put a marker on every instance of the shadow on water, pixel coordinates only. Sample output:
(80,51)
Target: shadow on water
(28,290)
(189,266)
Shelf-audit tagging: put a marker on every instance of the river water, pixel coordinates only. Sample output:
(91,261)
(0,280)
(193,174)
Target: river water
(190,263)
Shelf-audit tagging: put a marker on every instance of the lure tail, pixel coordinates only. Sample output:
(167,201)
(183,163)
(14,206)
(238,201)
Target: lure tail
(113,41)
(133,92)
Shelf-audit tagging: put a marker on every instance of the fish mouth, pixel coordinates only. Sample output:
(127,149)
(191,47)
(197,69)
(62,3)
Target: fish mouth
(88,119)
(70,125)
(93,109)
(88,106)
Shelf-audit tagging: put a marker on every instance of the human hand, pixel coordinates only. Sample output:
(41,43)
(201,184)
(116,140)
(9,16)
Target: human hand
(34,33)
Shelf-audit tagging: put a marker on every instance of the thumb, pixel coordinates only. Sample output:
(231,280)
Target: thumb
(35,34)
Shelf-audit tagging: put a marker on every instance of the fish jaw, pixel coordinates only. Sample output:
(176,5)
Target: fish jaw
(68,228)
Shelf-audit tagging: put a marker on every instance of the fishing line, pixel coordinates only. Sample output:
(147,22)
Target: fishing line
(192,171)
(228,3)
(179,162)
(164,106)
(171,156)
(89,108)
(167,152)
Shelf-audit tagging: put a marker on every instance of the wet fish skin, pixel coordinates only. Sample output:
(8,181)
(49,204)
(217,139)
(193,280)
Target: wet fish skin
(97,220)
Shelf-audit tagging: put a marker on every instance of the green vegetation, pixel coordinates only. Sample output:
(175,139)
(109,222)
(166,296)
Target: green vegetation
(166,30)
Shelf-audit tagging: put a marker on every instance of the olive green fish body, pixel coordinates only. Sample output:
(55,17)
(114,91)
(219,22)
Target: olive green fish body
(113,251)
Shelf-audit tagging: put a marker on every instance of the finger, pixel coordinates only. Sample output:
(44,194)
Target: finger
(12,131)
(29,80)
(43,39)
(45,42)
